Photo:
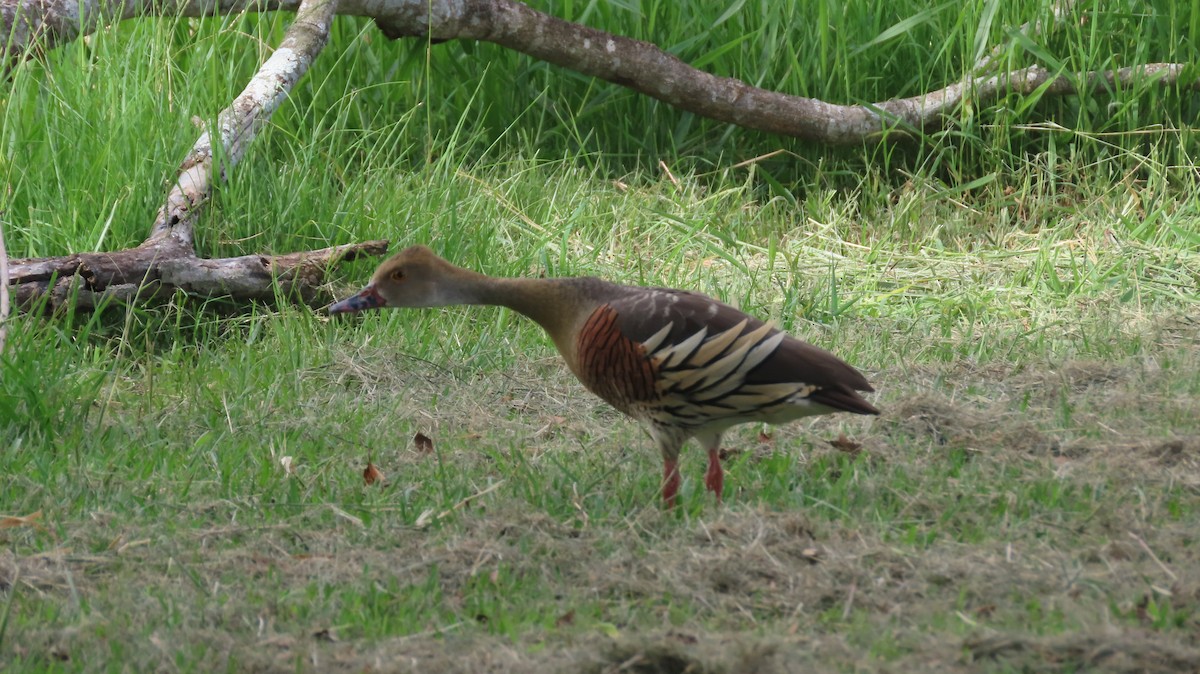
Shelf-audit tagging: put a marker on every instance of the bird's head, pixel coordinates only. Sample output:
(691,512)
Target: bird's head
(414,277)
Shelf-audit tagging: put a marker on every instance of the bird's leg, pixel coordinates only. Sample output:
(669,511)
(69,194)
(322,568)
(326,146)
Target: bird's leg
(670,481)
(714,479)
(669,440)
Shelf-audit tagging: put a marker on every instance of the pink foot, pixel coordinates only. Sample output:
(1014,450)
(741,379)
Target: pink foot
(714,479)
(670,482)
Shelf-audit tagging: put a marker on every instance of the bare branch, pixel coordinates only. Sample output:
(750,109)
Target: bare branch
(642,66)
(927,110)
(240,122)
(166,262)
(143,274)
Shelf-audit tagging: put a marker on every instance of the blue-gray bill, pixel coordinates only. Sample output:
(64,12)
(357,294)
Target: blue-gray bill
(369,298)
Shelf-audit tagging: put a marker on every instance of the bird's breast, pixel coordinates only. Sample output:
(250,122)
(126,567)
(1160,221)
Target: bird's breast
(613,366)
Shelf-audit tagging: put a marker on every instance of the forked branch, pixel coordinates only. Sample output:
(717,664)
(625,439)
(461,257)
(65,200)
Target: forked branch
(238,124)
(166,263)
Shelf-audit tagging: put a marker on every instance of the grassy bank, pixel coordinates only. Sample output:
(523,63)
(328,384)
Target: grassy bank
(1023,297)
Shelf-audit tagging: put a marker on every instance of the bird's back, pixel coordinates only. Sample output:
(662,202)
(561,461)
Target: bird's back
(684,359)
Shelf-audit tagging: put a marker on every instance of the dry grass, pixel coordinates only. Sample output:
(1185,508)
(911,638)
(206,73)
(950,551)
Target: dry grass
(770,590)
(748,587)
(1026,502)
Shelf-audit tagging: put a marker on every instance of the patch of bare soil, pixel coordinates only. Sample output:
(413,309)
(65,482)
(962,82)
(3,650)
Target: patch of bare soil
(1114,651)
(964,425)
(54,571)
(1088,418)
(770,591)
(762,590)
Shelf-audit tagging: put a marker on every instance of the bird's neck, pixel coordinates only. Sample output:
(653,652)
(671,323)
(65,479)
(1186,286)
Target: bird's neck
(552,303)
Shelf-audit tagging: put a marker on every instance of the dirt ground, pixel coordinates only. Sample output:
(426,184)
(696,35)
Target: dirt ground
(760,577)
(1113,590)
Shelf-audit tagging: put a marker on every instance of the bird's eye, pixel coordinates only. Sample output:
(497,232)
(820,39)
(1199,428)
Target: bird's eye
(398,275)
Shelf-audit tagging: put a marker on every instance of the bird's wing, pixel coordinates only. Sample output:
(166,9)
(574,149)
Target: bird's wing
(719,360)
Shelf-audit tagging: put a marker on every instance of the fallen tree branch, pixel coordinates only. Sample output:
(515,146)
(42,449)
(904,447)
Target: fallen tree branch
(646,68)
(640,66)
(165,262)
(238,124)
(133,276)
(927,110)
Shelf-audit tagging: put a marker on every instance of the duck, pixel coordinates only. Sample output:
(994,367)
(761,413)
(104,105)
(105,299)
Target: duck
(681,363)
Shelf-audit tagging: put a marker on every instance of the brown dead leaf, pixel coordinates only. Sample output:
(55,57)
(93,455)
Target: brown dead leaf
(565,619)
(766,438)
(371,474)
(844,444)
(423,443)
(30,520)
(683,637)
(325,634)
(1141,610)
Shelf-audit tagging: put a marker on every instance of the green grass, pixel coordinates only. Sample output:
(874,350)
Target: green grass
(1021,288)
